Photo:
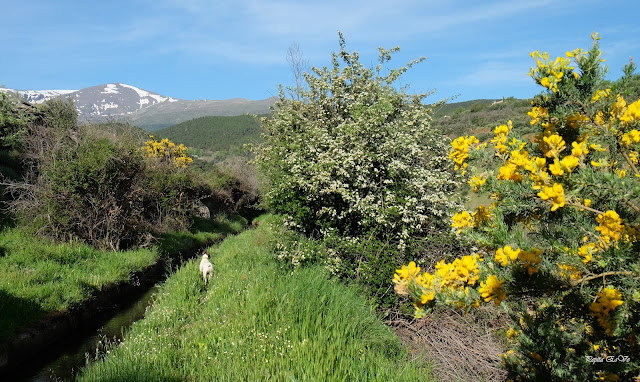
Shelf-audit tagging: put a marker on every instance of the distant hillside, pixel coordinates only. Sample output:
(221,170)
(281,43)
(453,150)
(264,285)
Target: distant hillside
(215,135)
(163,115)
(480,117)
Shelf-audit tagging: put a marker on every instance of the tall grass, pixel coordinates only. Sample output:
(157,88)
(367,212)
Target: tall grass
(39,276)
(255,321)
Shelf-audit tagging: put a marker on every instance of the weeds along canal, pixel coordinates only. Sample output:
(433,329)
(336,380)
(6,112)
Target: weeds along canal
(86,333)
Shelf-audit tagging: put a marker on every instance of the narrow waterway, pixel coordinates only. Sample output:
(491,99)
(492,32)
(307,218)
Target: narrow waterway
(73,353)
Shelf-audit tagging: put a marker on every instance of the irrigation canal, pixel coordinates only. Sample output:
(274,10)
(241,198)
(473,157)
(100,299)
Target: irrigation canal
(76,351)
(86,333)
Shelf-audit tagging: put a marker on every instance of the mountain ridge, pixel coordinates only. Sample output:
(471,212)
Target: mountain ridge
(146,109)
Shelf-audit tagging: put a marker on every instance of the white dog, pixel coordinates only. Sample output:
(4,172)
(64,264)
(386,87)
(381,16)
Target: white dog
(206,267)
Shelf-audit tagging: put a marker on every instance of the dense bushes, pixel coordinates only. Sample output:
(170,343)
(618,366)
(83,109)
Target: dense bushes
(108,190)
(559,243)
(88,192)
(355,163)
(13,123)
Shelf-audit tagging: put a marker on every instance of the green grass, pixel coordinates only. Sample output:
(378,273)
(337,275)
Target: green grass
(39,276)
(256,322)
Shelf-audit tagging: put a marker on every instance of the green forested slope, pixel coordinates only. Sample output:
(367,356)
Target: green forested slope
(214,133)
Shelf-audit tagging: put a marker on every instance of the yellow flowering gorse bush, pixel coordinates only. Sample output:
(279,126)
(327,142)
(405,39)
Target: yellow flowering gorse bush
(167,151)
(559,244)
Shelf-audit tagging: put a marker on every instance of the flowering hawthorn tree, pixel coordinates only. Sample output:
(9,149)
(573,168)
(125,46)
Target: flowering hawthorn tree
(353,164)
(559,244)
(355,155)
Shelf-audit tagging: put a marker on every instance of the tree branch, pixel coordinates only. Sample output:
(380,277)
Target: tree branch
(584,207)
(630,162)
(603,275)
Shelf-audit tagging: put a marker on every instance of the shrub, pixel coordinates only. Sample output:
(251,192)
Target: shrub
(88,193)
(104,191)
(13,123)
(355,155)
(559,243)
(354,163)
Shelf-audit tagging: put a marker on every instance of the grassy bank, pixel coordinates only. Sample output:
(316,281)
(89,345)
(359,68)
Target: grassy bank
(256,321)
(39,276)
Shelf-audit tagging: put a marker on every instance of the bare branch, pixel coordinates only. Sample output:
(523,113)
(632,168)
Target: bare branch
(298,65)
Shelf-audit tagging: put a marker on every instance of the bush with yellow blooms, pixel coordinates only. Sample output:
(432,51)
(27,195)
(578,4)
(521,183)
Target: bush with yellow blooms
(558,244)
(167,151)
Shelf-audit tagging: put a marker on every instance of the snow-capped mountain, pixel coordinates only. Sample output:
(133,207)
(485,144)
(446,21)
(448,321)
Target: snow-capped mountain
(143,108)
(99,101)
(38,96)
(114,99)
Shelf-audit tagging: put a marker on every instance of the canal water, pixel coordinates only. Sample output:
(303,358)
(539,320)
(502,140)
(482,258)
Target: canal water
(76,351)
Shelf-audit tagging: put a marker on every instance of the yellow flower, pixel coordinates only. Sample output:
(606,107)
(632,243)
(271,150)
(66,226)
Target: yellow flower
(509,172)
(460,151)
(610,226)
(537,114)
(467,269)
(579,149)
(501,132)
(629,138)
(586,252)
(407,271)
(632,114)
(503,255)
(461,220)
(481,215)
(567,164)
(492,290)
(555,168)
(519,158)
(555,193)
(476,182)
(502,129)
(427,296)
(530,259)
(511,333)
(167,151)
(618,107)
(536,356)
(556,145)
(545,82)
(403,277)
(601,94)
(609,299)
(538,175)
(570,271)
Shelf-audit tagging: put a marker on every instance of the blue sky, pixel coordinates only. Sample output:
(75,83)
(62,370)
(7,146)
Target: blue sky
(198,49)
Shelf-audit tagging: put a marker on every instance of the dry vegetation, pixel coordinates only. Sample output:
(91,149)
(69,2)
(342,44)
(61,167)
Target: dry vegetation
(460,347)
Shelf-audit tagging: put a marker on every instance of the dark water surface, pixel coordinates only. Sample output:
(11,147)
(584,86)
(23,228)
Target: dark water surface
(76,350)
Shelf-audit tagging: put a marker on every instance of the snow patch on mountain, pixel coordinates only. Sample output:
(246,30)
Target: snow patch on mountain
(38,96)
(143,93)
(110,89)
